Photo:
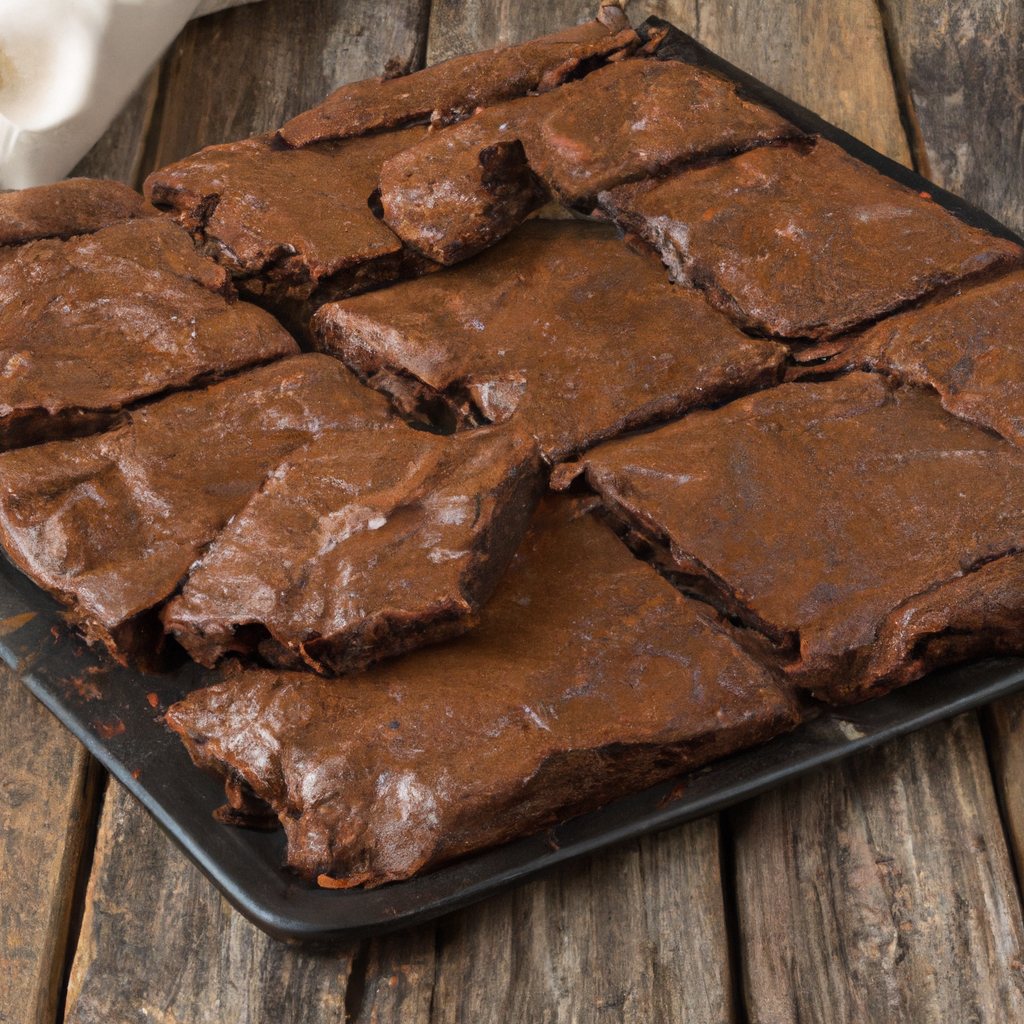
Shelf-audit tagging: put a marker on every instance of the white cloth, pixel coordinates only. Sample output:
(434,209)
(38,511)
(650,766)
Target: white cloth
(67,68)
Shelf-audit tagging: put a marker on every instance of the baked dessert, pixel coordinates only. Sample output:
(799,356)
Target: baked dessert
(454,89)
(287,224)
(588,678)
(561,323)
(968,346)
(859,535)
(110,524)
(94,324)
(75,206)
(803,241)
(383,541)
(449,195)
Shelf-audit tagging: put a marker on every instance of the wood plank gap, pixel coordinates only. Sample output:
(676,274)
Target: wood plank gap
(355,990)
(731,908)
(94,792)
(904,97)
(154,128)
(994,751)
(423,32)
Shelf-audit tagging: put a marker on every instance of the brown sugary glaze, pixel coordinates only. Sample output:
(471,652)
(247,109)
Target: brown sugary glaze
(93,324)
(803,241)
(630,120)
(588,678)
(454,89)
(284,222)
(382,541)
(76,206)
(862,533)
(562,324)
(110,524)
(969,347)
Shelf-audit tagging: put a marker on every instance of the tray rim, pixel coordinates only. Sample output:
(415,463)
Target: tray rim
(283,919)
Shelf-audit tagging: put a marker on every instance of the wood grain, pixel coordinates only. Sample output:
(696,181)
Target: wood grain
(1004,727)
(635,934)
(965,68)
(249,69)
(159,944)
(881,890)
(46,795)
(398,979)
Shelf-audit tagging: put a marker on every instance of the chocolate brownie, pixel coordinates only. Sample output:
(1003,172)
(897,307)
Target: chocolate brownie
(110,524)
(803,241)
(861,534)
(287,223)
(968,346)
(454,89)
(91,325)
(563,322)
(589,678)
(382,541)
(628,121)
(76,206)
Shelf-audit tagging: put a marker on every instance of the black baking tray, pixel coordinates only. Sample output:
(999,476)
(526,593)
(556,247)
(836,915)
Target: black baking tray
(118,714)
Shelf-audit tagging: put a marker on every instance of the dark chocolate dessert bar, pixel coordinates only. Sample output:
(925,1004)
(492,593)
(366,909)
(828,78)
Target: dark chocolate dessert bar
(76,206)
(110,524)
(861,535)
(589,677)
(453,90)
(288,223)
(803,241)
(463,188)
(562,324)
(96,323)
(382,541)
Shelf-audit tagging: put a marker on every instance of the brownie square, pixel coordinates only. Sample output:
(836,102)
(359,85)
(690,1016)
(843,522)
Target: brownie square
(803,241)
(381,540)
(94,324)
(589,678)
(563,325)
(859,536)
(110,524)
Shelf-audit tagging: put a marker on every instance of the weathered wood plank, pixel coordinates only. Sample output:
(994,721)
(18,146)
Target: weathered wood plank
(635,934)
(118,153)
(159,944)
(398,982)
(1004,727)
(249,69)
(882,890)
(829,55)
(47,791)
(462,26)
(965,68)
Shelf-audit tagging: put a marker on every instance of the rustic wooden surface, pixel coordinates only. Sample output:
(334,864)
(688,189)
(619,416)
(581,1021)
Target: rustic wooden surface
(880,890)
(893,893)
(46,796)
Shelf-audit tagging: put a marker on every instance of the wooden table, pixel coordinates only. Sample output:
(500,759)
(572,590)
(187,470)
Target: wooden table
(883,889)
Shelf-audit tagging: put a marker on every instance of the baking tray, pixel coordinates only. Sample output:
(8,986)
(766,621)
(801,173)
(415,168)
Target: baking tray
(118,714)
